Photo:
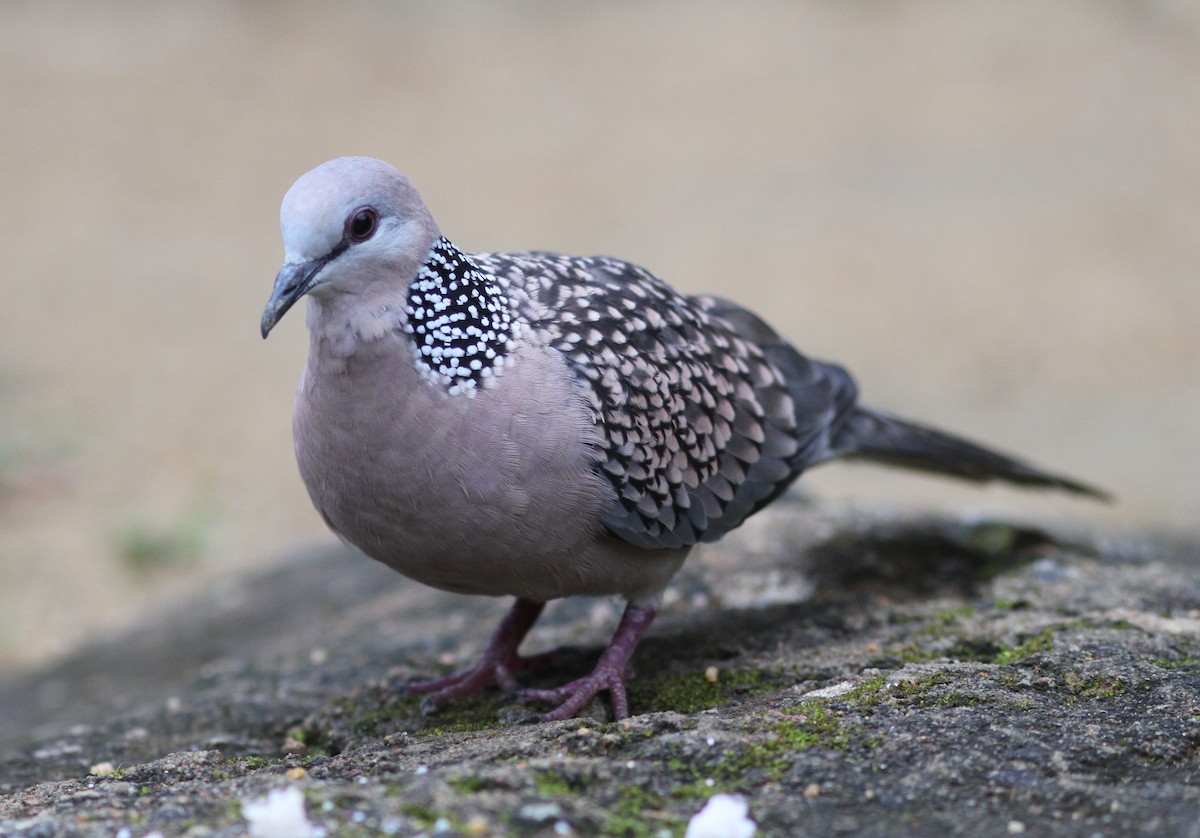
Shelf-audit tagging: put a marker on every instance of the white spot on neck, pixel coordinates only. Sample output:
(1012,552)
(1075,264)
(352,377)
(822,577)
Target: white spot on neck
(460,321)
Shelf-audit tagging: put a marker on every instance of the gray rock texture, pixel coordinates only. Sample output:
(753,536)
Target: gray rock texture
(846,674)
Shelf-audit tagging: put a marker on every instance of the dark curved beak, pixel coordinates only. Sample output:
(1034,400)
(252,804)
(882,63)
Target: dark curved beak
(291,283)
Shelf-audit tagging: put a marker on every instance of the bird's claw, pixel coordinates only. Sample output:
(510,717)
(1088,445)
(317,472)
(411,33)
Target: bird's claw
(573,697)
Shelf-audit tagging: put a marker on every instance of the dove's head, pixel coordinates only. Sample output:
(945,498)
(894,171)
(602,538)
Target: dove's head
(348,225)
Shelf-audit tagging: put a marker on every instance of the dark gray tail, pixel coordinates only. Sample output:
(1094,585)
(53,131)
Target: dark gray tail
(871,435)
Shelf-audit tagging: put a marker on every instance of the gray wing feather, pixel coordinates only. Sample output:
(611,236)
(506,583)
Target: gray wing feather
(706,414)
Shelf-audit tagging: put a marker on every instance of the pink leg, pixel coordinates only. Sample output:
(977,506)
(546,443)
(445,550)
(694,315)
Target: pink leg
(498,663)
(609,673)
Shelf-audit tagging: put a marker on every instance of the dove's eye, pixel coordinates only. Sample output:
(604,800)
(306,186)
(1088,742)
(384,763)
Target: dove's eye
(361,224)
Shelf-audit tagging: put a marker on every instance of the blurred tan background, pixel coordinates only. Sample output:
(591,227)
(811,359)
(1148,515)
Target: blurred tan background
(989,211)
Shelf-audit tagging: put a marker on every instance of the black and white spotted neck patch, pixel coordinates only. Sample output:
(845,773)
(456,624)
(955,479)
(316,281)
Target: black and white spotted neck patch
(460,320)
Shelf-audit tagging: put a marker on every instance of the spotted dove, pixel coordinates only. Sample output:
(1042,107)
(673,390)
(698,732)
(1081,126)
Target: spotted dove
(542,426)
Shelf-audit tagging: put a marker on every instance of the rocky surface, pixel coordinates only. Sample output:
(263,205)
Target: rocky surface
(867,676)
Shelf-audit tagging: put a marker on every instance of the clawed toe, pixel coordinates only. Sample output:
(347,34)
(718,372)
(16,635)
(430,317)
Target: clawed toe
(462,682)
(608,676)
(496,665)
(499,664)
(573,697)
(439,692)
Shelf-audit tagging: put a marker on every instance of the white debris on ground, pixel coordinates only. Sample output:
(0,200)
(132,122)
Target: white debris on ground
(723,816)
(280,815)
